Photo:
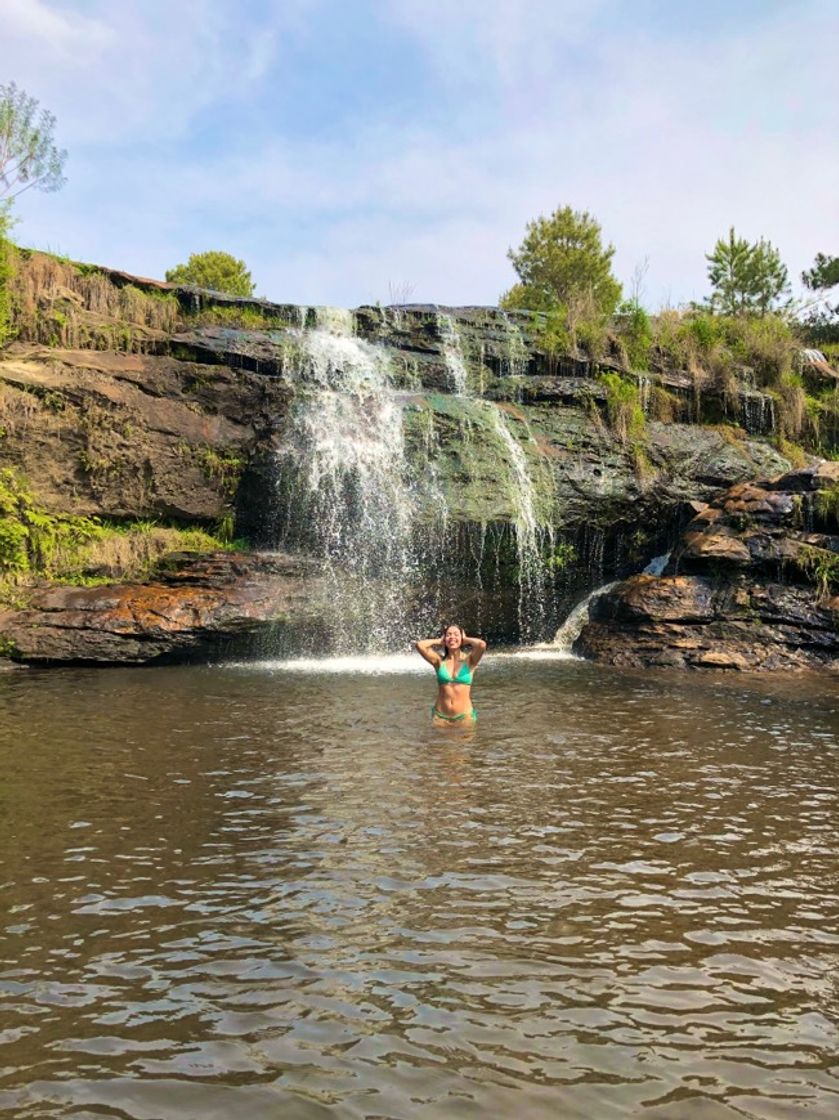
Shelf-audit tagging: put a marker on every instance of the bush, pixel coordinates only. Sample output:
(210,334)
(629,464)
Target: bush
(634,330)
(81,550)
(766,344)
(220,272)
(623,408)
(562,259)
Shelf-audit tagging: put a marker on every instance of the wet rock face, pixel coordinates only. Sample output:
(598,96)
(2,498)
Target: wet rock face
(129,399)
(199,608)
(754,584)
(132,435)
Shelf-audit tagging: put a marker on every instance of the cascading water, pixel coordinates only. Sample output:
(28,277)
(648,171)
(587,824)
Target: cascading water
(572,627)
(517,358)
(644,391)
(452,350)
(757,413)
(530,534)
(360,486)
(343,483)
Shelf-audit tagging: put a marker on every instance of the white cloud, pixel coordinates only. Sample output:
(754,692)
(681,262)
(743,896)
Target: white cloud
(61,36)
(667,139)
(135,72)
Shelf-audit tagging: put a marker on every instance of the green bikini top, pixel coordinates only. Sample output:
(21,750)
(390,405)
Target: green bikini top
(463,676)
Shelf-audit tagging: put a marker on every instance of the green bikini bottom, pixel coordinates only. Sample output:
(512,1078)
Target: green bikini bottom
(473,715)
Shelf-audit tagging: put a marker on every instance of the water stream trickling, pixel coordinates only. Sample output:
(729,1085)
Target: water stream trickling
(354,491)
(453,353)
(343,482)
(572,627)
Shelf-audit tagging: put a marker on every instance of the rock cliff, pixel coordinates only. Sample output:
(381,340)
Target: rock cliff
(752,584)
(123,398)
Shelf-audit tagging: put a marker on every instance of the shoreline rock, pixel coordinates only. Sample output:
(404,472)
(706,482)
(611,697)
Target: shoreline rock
(199,607)
(753,585)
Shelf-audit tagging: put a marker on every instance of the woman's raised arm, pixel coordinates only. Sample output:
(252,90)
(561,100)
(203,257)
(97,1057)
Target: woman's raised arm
(425,648)
(478,649)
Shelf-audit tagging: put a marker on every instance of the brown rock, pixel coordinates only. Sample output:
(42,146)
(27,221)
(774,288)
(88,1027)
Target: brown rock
(751,598)
(720,659)
(194,610)
(717,547)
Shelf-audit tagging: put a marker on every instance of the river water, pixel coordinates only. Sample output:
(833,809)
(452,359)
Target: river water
(274,891)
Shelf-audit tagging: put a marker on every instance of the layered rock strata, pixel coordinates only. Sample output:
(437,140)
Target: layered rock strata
(198,609)
(753,584)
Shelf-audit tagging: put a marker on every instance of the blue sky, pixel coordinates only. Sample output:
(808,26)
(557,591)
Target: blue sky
(344,149)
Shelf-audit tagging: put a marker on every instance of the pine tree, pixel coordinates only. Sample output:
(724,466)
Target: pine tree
(747,279)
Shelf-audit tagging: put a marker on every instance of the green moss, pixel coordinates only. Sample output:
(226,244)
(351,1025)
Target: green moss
(32,539)
(223,468)
(243,316)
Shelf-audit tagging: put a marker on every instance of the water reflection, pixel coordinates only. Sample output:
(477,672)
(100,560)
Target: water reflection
(251,889)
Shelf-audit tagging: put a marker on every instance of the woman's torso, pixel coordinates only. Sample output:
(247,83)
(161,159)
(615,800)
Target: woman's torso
(454,687)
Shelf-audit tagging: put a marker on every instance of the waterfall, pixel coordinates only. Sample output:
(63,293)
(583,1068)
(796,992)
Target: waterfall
(334,320)
(529,533)
(572,627)
(452,351)
(757,413)
(413,504)
(644,391)
(517,358)
(343,483)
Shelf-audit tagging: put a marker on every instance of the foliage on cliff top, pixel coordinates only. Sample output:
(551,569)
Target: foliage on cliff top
(218,271)
(562,260)
(822,320)
(747,279)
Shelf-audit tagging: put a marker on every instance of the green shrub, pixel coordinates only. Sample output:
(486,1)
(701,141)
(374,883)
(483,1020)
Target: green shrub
(83,550)
(552,332)
(634,329)
(6,274)
(703,330)
(822,567)
(623,408)
(32,539)
(766,344)
(827,505)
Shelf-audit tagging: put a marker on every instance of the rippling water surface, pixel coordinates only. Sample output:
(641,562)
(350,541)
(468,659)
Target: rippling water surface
(264,891)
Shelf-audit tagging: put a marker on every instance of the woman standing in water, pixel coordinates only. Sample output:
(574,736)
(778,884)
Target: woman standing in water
(455,673)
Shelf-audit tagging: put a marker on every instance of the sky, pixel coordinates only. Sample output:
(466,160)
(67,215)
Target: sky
(355,150)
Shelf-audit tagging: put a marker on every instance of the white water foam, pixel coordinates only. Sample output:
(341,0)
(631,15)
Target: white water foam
(387,664)
(366,664)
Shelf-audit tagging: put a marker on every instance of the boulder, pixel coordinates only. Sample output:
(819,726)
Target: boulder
(752,586)
(199,607)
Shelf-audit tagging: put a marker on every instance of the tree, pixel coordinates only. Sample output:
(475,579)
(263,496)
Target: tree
(215,270)
(824,273)
(823,320)
(747,279)
(562,260)
(28,155)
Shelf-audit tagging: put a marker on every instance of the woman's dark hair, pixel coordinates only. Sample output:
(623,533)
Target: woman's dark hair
(449,626)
